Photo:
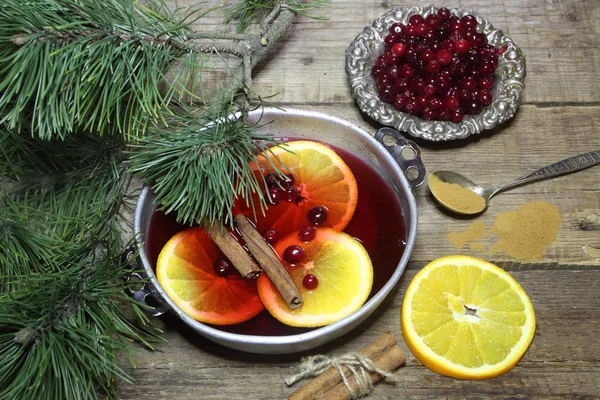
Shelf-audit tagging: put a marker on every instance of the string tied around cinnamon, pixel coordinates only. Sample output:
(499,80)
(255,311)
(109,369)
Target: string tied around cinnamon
(359,366)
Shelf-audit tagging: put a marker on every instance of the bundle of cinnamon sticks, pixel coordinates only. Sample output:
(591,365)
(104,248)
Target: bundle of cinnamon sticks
(383,352)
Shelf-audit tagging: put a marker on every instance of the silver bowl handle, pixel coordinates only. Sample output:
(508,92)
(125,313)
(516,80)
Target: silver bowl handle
(142,293)
(410,161)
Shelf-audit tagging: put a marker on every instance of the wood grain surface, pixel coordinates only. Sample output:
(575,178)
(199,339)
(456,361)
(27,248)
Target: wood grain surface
(559,117)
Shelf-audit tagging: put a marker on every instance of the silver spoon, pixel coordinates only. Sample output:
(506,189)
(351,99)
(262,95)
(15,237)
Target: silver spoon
(563,167)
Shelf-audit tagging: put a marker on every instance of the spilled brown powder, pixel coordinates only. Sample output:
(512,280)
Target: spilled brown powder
(523,234)
(475,231)
(455,196)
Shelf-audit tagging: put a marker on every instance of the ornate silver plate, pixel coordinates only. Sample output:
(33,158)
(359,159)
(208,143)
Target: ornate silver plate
(368,45)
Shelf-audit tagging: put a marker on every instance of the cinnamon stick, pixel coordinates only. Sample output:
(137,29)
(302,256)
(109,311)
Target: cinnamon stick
(268,260)
(232,249)
(331,377)
(389,361)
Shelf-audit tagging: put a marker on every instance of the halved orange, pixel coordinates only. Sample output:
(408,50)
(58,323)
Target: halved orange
(344,273)
(467,318)
(185,271)
(323,179)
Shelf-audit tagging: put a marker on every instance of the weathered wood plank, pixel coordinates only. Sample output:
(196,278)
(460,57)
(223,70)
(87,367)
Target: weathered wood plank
(562,360)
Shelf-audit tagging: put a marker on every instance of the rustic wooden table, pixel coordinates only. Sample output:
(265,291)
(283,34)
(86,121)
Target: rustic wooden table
(559,117)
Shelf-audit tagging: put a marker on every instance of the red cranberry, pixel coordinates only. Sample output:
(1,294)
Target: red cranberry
(468,83)
(485,97)
(310,282)
(388,93)
(397,29)
(486,69)
(223,267)
(444,56)
(392,58)
(456,115)
(413,107)
(433,21)
(381,61)
(401,84)
(473,107)
(377,70)
(461,46)
(427,55)
(290,194)
(468,21)
(307,233)
(448,45)
(421,29)
(443,13)
(454,23)
(271,180)
(410,30)
(389,40)
(406,71)
(274,195)
(443,114)
(271,236)
(393,72)
(399,49)
(464,94)
(433,67)
(400,102)
(317,215)
(416,19)
(451,102)
(435,103)
(478,40)
(428,113)
(417,85)
(293,254)
(423,100)
(429,90)
(383,80)
(485,83)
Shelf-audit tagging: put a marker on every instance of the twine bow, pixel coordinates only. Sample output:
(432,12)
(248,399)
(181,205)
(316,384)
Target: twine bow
(359,366)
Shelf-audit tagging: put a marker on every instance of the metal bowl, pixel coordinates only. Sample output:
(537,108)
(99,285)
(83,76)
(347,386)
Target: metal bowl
(507,91)
(292,123)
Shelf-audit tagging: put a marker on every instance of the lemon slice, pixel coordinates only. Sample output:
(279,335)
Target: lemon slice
(467,318)
(344,273)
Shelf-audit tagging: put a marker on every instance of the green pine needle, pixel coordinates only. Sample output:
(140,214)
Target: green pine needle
(94,66)
(247,12)
(61,331)
(200,169)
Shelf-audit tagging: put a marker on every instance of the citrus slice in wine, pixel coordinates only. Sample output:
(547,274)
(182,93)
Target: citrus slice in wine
(467,318)
(341,276)
(185,271)
(317,177)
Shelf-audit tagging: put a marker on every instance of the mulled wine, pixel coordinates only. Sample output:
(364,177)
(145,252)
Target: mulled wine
(378,224)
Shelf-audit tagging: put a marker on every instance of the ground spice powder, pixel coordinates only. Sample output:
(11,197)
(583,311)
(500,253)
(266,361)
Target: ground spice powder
(523,234)
(455,196)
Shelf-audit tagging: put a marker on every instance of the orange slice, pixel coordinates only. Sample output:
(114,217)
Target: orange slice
(344,273)
(323,179)
(185,271)
(467,318)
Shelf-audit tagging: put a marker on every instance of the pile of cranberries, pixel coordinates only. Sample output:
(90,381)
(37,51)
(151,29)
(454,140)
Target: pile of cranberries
(438,67)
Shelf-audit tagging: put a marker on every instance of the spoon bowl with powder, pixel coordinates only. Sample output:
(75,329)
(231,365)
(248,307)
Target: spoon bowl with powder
(461,195)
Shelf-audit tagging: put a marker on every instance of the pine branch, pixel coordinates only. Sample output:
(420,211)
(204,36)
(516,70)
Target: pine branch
(195,168)
(61,331)
(95,66)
